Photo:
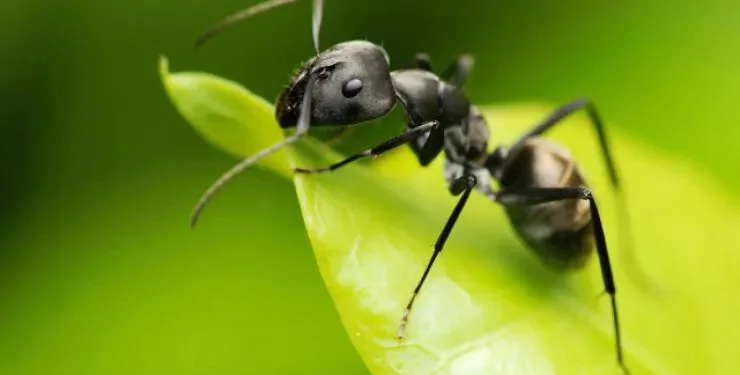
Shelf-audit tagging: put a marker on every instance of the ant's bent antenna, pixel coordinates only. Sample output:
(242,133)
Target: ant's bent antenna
(301,130)
(241,16)
(304,119)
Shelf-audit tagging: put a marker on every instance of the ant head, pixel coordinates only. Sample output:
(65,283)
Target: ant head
(352,85)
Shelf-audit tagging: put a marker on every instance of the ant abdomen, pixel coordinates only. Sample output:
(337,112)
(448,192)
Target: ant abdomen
(559,232)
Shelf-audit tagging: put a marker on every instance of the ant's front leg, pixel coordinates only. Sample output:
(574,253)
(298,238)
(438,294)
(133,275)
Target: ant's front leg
(388,145)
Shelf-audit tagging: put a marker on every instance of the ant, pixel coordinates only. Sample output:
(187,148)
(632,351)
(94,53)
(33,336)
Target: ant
(542,190)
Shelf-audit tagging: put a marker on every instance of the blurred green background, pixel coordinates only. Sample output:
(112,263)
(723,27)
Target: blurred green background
(99,272)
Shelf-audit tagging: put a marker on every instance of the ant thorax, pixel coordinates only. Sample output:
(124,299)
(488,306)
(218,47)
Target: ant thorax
(484,181)
(467,143)
(465,148)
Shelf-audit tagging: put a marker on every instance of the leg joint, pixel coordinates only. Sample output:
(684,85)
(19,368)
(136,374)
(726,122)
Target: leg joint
(585,193)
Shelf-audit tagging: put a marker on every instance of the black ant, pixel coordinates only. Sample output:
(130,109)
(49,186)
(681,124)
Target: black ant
(541,188)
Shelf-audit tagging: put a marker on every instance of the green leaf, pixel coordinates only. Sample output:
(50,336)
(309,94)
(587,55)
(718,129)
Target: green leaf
(489,305)
(224,112)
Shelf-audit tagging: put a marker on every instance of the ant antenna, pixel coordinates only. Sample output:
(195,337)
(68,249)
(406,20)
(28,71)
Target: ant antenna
(318,11)
(302,128)
(304,119)
(239,17)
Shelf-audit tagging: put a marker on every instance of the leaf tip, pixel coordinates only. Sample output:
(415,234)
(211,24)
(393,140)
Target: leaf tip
(164,68)
(164,65)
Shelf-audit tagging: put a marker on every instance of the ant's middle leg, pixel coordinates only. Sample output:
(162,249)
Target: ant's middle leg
(462,185)
(453,171)
(455,74)
(423,61)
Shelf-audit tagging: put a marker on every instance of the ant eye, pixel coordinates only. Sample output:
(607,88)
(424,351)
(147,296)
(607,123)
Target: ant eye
(352,88)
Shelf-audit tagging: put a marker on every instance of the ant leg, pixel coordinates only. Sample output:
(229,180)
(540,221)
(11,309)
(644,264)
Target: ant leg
(453,171)
(423,61)
(457,73)
(379,149)
(533,196)
(427,148)
(464,185)
(639,276)
(559,114)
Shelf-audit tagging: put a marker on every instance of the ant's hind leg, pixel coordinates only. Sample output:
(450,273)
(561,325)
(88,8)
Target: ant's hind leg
(636,272)
(534,196)
(564,111)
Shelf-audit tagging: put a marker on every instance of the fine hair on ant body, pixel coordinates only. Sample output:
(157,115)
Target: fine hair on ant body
(541,188)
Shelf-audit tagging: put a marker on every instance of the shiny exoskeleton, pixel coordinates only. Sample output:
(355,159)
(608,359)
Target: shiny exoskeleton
(539,185)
